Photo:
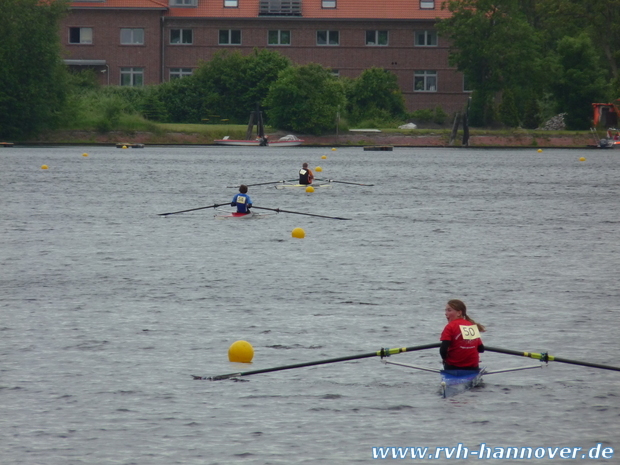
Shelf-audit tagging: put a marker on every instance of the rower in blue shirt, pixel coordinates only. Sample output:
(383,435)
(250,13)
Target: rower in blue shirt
(242,200)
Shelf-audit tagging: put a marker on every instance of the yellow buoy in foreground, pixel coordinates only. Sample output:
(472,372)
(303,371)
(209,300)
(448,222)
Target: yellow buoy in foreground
(582,159)
(310,189)
(318,168)
(333,148)
(43,167)
(324,157)
(298,233)
(241,351)
(84,154)
(539,150)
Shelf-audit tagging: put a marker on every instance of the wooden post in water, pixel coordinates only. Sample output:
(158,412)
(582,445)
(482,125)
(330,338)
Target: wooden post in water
(455,127)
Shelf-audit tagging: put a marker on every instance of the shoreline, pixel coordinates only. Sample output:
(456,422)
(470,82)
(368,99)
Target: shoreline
(536,139)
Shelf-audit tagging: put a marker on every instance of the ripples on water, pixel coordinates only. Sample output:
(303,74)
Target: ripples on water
(108,308)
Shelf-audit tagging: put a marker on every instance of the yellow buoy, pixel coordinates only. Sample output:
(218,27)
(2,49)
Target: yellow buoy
(333,148)
(318,168)
(539,150)
(43,167)
(84,154)
(582,159)
(324,157)
(241,351)
(310,189)
(124,146)
(298,233)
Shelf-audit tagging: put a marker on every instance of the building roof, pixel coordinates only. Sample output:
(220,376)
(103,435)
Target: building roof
(311,9)
(121,4)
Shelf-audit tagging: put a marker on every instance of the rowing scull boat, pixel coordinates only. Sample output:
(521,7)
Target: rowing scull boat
(314,185)
(454,382)
(223,214)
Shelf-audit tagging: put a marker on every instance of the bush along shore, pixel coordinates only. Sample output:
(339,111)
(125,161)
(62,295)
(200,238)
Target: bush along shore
(392,137)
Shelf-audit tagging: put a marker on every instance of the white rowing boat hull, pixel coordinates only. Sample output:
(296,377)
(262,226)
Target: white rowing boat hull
(298,186)
(256,143)
(226,215)
(454,382)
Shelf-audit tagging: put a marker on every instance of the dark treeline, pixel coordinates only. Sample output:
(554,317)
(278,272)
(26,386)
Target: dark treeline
(524,60)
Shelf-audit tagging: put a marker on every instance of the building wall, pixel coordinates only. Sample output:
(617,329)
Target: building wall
(106,43)
(158,56)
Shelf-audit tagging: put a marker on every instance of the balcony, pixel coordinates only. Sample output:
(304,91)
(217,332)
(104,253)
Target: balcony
(279,8)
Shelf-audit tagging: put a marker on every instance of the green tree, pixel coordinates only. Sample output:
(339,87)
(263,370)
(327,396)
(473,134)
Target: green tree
(232,84)
(581,80)
(496,47)
(375,94)
(183,100)
(305,99)
(33,79)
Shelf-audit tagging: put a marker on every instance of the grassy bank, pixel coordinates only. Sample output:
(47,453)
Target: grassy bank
(205,134)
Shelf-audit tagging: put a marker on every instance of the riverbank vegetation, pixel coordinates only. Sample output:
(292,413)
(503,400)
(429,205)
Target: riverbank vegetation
(524,61)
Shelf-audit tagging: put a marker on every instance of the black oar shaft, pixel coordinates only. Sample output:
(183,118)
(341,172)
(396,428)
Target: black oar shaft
(345,182)
(551,358)
(380,353)
(278,210)
(264,183)
(194,209)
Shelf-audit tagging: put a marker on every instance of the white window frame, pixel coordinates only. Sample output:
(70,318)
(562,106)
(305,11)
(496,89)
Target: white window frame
(230,36)
(427,4)
(427,38)
(178,73)
(328,4)
(278,37)
(375,42)
(135,76)
(428,79)
(329,36)
(231,3)
(174,3)
(465,86)
(86,35)
(136,36)
(182,36)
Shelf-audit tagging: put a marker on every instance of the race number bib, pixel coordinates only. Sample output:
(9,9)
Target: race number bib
(469,332)
(241,200)
(302,172)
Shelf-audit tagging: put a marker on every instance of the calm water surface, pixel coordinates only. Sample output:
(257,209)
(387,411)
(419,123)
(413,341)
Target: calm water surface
(107,308)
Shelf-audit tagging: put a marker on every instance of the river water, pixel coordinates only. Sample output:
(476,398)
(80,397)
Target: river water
(108,308)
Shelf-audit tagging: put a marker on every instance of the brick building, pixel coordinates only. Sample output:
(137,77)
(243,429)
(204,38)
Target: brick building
(142,42)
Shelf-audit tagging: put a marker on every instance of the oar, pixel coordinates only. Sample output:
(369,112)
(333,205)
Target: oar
(550,358)
(381,353)
(344,182)
(264,183)
(277,210)
(194,209)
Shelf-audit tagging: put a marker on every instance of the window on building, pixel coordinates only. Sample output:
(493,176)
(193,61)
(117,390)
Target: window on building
(335,72)
(132,77)
(279,38)
(80,35)
(183,2)
(231,3)
(425,81)
(328,4)
(426,38)
(376,37)
(178,73)
(132,36)
(181,36)
(230,37)
(327,38)
(427,4)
